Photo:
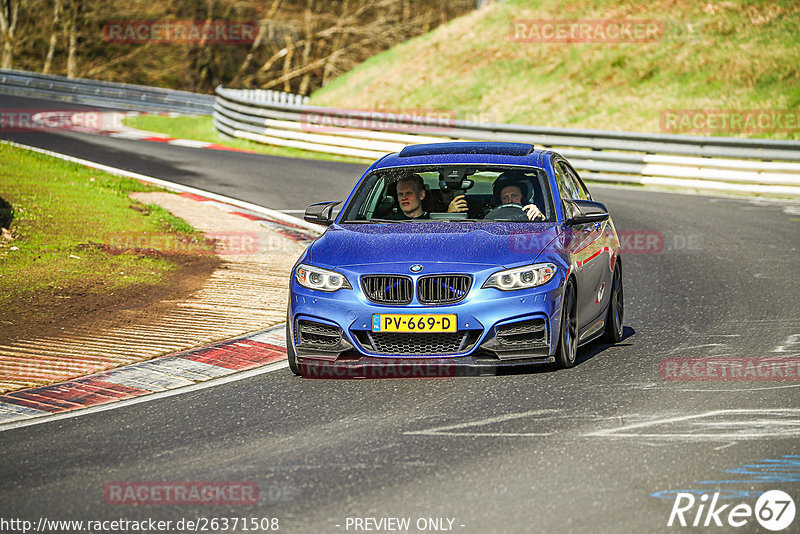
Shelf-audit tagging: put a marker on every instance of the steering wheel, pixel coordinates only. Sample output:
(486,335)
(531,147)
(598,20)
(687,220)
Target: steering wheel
(512,212)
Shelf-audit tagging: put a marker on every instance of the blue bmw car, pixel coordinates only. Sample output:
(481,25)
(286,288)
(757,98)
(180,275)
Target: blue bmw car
(476,256)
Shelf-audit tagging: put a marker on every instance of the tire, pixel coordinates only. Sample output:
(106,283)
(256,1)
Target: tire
(616,309)
(568,336)
(290,353)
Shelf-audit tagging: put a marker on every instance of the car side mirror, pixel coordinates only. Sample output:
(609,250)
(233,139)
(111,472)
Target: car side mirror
(321,212)
(584,211)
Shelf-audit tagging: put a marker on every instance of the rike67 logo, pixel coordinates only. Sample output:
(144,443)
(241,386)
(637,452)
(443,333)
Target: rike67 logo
(774,510)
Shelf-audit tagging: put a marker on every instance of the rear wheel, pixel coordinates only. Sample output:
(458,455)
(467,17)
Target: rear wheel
(568,337)
(616,309)
(290,353)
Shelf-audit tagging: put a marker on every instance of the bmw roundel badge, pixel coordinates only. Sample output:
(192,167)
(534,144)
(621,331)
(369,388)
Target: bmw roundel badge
(416,268)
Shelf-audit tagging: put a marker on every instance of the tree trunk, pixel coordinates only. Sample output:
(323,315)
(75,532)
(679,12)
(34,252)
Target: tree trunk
(306,80)
(8,24)
(76,7)
(262,27)
(51,49)
(287,66)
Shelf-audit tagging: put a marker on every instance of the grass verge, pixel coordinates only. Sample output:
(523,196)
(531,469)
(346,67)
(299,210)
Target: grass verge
(735,56)
(66,248)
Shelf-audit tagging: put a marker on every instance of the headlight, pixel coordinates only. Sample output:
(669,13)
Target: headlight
(522,277)
(320,279)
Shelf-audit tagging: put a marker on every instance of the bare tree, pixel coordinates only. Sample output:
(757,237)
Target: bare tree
(333,42)
(265,26)
(307,27)
(48,60)
(299,45)
(9,9)
(74,12)
(287,65)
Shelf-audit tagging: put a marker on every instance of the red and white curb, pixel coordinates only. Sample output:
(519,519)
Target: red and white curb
(109,123)
(126,132)
(121,131)
(172,374)
(190,370)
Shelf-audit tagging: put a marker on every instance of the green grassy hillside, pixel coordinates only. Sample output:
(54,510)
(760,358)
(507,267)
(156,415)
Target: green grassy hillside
(735,55)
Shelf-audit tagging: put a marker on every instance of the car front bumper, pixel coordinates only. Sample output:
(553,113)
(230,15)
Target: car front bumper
(495,329)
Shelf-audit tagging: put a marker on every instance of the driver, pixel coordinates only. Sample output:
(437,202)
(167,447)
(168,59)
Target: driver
(510,188)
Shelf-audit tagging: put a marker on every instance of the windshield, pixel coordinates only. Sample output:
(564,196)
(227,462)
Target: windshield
(453,193)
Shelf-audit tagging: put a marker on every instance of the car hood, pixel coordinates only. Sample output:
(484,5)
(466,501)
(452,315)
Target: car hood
(500,244)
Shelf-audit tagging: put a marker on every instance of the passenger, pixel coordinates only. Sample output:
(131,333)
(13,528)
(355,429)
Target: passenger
(458,204)
(410,194)
(511,189)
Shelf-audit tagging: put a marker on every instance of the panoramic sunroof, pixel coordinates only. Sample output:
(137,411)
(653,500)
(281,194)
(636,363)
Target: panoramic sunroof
(500,149)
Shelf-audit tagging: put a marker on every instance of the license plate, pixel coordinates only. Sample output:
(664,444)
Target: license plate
(414,323)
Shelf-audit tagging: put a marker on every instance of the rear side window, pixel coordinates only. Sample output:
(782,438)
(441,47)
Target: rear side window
(566,187)
(569,185)
(579,187)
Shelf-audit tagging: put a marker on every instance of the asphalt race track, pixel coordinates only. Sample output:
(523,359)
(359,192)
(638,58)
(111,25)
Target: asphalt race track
(602,447)
(279,183)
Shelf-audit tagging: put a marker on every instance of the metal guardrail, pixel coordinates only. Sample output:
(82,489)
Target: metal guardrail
(283,119)
(270,96)
(716,163)
(107,94)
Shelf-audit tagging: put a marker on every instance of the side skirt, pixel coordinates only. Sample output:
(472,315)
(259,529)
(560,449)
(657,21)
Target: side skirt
(595,329)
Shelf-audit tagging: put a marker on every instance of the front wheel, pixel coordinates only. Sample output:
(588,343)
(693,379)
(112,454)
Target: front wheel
(616,309)
(290,353)
(568,337)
